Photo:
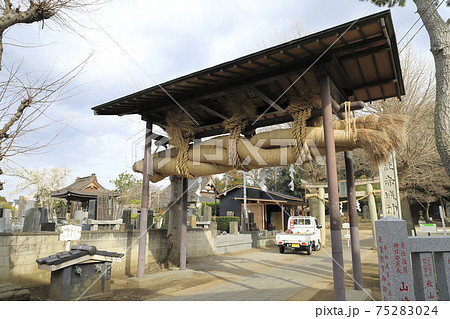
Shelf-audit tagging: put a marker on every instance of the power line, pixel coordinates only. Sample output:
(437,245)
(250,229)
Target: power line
(140,67)
(413,25)
(423,24)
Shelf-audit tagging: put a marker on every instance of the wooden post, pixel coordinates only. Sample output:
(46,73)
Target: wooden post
(183,228)
(322,221)
(282,218)
(373,212)
(354,230)
(144,201)
(333,195)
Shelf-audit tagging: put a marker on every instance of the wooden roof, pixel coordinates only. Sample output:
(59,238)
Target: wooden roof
(83,187)
(271,195)
(360,56)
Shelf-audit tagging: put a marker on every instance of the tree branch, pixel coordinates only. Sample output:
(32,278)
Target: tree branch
(23,105)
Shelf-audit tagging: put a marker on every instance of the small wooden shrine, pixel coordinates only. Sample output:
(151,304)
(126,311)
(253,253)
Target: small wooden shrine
(82,191)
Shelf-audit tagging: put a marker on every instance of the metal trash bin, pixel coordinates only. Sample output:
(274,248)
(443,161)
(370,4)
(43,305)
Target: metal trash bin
(81,273)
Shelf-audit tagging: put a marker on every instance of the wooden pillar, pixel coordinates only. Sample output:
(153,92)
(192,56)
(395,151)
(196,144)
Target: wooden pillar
(354,230)
(322,220)
(144,201)
(183,228)
(372,212)
(282,218)
(263,215)
(333,195)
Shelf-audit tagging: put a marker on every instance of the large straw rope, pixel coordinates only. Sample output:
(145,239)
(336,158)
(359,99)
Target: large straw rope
(300,112)
(374,192)
(350,125)
(242,112)
(235,125)
(181,131)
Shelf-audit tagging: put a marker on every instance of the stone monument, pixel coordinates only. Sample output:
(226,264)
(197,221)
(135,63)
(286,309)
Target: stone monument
(394,260)
(32,220)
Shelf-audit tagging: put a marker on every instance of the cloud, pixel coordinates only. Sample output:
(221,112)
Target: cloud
(136,42)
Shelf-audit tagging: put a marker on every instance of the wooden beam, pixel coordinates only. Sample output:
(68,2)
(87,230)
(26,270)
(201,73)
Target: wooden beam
(263,96)
(211,111)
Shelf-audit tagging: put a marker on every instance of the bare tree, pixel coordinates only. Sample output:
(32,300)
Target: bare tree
(42,183)
(439,34)
(24,97)
(421,174)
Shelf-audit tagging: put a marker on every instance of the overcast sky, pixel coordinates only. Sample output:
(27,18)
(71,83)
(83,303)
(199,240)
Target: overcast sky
(135,43)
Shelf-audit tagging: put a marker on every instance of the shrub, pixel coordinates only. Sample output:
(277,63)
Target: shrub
(223,222)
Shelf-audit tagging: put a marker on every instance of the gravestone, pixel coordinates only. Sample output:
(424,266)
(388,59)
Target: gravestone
(191,221)
(207,213)
(394,260)
(159,223)
(62,212)
(30,204)
(79,215)
(92,211)
(366,212)
(32,220)
(21,210)
(44,215)
(5,224)
(7,214)
(233,228)
(149,220)
(126,216)
(230,213)
(48,227)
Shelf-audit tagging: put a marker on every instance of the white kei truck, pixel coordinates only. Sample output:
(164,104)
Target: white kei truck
(303,233)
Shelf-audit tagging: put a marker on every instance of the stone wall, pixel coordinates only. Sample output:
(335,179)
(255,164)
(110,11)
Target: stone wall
(19,251)
(232,243)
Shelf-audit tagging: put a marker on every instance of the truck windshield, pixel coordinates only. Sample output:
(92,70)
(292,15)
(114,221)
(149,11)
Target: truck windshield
(302,221)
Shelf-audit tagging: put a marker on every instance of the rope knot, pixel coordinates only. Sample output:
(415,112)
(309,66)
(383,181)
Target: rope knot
(181,131)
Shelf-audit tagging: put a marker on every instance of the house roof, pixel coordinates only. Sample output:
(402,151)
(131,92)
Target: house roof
(207,192)
(287,197)
(360,57)
(84,187)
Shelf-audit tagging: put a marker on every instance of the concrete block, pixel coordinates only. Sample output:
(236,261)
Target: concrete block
(443,274)
(5,240)
(4,261)
(424,282)
(4,251)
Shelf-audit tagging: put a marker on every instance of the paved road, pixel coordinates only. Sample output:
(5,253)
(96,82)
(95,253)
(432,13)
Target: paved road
(264,274)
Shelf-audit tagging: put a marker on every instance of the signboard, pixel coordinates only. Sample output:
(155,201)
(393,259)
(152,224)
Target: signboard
(428,228)
(345,225)
(70,232)
(390,195)
(342,188)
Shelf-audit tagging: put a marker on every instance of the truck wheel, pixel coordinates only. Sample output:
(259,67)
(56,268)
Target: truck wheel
(317,246)
(281,248)
(309,250)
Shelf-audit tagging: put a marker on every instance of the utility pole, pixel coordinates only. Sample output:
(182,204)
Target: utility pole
(245,216)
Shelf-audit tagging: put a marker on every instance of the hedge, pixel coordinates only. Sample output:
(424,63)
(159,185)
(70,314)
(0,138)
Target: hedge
(223,222)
